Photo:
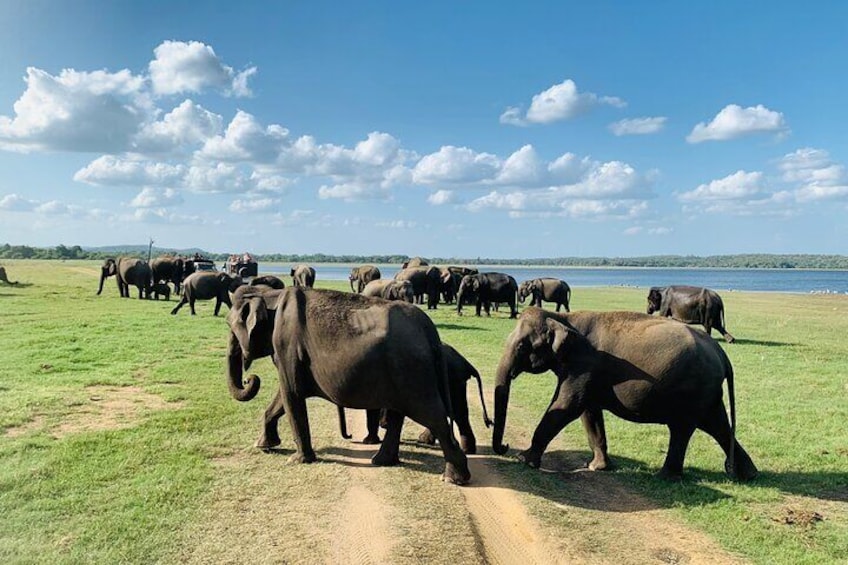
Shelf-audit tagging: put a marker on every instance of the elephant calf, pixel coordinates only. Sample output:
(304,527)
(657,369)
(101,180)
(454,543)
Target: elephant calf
(206,285)
(549,290)
(4,278)
(390,290)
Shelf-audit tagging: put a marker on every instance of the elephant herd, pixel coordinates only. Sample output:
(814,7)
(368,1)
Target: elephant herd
(376,350)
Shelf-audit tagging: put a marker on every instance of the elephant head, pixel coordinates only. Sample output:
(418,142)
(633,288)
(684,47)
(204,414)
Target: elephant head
(527,288)
(251,324)
(109,269)
(354,275)
(400,290)
(537,344)
(654,299)
(469,287)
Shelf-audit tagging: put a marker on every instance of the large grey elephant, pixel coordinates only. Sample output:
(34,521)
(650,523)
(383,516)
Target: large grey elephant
(690,305)
(640,368)
(4,278)
(390,290)
(127,271)
(303,276)
(370,354)
(206,285)
(415,262)
(547,289)
(268,280)
(168,269)
(485,289)
(425,281)
(363,275)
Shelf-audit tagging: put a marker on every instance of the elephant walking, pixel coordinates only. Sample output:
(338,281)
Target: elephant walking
(127,271)
(268,280)
(370,354)
(690,305)
(168,269)
(303,276)
(206,285)
(549,290)
(363,275)
(486,289)
(390,290)
(640,368)
(4,278)
(425,281)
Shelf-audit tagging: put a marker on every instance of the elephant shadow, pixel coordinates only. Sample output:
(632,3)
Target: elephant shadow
(461,327)
(763,343)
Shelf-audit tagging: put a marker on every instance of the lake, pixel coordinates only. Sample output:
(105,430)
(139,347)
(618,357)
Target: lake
(774,280)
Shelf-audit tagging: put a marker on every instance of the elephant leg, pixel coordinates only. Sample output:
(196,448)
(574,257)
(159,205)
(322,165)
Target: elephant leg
(727,337)
(191,306)
(183,300)
(467,441)
(389,453)
(680,434)
(372,419)
(593,423)
(426,437)
(270,436)
(558,306)
(217,305)
(295,409)
(433,417)
(739,466)
(565,407)
(513,311)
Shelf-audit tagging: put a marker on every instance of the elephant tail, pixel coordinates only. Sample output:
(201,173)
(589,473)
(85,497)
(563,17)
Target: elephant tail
(476,375)
(442,383)
(732,397)
(343,423)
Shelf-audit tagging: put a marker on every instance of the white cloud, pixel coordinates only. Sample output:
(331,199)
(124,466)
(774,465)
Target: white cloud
(254,205)
(193,67)
(501,201)
(524,167)
(560,102)
(638,126)
(245,140)
(109,170)
(76,112)
(397,224)
(156,198)
(740,185)
(377,149)
(219,178)
(187,126)
(15,203)
(455,165)
(353,191)
(734,121)
(441,197)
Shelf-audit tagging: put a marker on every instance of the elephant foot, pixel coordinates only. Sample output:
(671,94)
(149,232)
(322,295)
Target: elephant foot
(456,476)
(427,437)
(299,457)
(371,439)
(381,459)
(265,443)
(530,458)
(669,475)
(729,338)
(600,464)
(468,445)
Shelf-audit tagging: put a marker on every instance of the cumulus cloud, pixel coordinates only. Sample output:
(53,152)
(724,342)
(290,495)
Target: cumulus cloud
(814,174)
(441,197)
(187,126)
(16,203)
(245,140)
(455,165)
(638,126)
(156,198)
(560,102)
(76,111)
(741,185)
(734,121)
(397,224)
(109,170)
(194,67)
(253,205)
(351,191)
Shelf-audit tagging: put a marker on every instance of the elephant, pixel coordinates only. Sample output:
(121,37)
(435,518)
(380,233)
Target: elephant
(303,276)
(127,271)
(425,280)
(363,275)
(160,289)
(390,290)
(355,351)
(486,288)
(549,290)
(448,284)
(640,368)
(269,281)
(4,278)
(462,271)
(168,269)
(690,305)
(206,285)
(415,262)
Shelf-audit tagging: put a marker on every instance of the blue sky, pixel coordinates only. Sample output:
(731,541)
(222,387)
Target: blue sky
(437,128)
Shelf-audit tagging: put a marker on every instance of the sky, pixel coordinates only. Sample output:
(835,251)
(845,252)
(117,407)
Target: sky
(450,129)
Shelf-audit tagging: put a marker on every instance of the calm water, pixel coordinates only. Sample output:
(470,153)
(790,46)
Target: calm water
(778,280)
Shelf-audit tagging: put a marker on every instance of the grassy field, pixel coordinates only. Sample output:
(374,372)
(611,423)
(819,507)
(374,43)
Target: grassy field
(120,443)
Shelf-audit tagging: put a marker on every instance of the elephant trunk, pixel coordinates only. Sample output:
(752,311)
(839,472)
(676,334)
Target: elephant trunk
(103,275)
(502,383)
(350,278)
(459,294)
(241,391)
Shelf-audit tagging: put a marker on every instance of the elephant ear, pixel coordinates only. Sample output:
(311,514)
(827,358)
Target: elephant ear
(256,313)
(560,337)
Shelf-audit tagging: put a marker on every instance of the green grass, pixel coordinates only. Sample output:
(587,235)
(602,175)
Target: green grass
(161,487)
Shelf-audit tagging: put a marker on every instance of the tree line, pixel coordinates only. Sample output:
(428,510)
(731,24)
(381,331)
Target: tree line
(737,261)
